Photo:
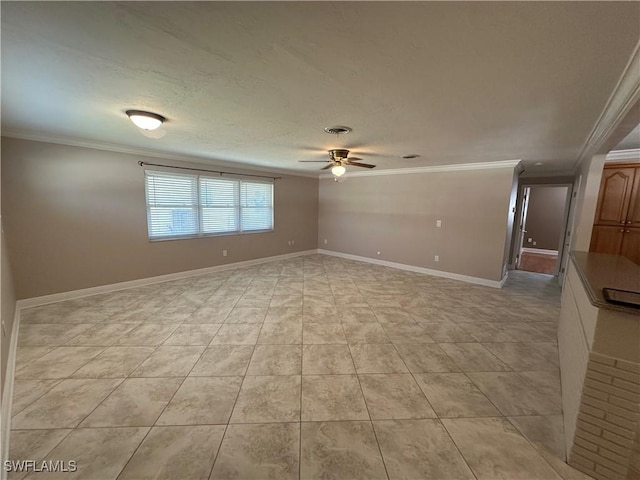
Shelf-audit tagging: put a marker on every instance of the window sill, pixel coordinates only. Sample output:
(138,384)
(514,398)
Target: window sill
(212,235)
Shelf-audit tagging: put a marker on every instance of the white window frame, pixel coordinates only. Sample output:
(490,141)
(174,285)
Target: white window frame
(199,207)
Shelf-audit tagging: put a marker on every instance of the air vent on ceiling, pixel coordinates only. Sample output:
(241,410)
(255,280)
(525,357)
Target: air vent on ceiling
(338,130)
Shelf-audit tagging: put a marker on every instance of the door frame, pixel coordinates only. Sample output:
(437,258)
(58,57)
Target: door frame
(521,224)
(563,250)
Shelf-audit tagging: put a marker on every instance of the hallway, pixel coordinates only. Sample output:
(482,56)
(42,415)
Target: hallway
(312,367)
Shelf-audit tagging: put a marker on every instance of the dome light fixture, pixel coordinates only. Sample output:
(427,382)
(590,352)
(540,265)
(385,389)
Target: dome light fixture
(338,170)
(145,120)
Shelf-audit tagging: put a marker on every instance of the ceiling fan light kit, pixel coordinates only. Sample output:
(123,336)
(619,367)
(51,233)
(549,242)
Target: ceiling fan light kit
(145,120)
(338,158)
(338,170)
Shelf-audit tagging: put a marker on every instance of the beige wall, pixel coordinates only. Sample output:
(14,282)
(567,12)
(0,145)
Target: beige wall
(545,217)
(76,218)
(396,215)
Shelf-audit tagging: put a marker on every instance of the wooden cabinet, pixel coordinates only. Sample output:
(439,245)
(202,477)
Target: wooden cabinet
(616,227)
(633,215)
(606,239)
(631,244)
(613,200)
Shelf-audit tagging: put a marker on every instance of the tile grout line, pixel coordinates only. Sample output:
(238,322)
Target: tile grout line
(165,407)
(373,428)
(302,344)
(244,376)
(438,418)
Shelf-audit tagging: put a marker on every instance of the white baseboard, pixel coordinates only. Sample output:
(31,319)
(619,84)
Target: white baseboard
(412,268)
(59,297)
(113,287)
(541,251)
(7,395)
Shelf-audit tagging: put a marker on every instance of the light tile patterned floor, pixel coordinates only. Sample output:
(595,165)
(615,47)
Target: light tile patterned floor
(314,367)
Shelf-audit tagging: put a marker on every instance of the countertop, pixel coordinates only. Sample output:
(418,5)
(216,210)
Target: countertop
(601,270)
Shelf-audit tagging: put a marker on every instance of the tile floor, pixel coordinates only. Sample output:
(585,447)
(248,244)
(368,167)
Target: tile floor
(314,367)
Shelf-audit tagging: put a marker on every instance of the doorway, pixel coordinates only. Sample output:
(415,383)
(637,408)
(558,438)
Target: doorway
(542,224)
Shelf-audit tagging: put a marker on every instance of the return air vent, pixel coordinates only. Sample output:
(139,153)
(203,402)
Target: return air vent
(338,130)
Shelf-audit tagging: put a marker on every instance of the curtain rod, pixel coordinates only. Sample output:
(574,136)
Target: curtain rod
(210,171)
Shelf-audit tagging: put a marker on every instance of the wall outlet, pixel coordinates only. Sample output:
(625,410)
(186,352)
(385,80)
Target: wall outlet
(534,243)
(293,242)
(325,241)
(529,240)
(436,258)
(224,253)
(378,253)
(438,223)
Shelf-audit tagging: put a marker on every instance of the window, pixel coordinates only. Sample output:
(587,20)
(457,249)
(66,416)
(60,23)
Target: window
(182,206)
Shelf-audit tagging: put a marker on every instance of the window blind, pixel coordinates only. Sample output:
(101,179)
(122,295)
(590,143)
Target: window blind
(180,206)
(256,211)
(172,205)
(219,200)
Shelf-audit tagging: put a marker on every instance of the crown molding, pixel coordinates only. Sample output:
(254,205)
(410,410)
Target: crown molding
(624,97)
(431,169)
(631,154)
(112,147)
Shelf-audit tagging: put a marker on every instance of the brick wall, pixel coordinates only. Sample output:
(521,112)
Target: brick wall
(605,442)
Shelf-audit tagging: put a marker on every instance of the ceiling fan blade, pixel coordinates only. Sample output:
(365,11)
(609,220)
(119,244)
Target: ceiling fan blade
(327,167)
(319,161)
(358,164)
(357,159)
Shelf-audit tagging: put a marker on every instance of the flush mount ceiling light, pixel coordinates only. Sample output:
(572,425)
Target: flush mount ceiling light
(338,170)
(145,120)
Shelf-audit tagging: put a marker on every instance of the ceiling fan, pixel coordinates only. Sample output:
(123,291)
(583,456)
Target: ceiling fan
(338,158)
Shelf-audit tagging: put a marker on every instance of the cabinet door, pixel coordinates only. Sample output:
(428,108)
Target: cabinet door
(606,239)
(631,244)
(633,215)
(615,192)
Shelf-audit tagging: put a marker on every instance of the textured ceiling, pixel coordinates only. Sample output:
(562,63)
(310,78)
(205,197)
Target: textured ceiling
(256,82)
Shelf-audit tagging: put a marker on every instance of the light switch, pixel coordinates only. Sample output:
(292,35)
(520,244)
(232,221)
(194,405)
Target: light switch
(438,223)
